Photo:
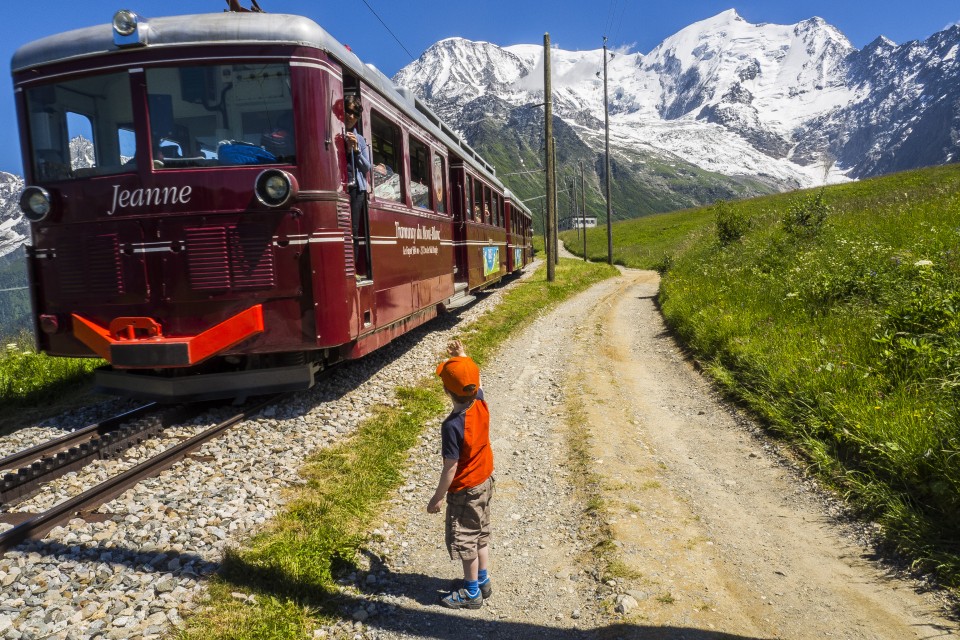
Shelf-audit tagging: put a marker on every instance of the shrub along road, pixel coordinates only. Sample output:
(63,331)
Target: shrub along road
(632,503)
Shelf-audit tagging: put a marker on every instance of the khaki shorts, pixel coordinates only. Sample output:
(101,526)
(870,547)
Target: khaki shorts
(468,520)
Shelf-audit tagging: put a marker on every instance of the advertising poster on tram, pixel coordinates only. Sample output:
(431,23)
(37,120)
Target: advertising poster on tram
(491,260)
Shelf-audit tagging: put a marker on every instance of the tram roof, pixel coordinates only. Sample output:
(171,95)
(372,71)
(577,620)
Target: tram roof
(243,28)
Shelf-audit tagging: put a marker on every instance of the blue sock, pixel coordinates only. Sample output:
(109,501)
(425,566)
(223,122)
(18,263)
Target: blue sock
(482,576)
(472,588)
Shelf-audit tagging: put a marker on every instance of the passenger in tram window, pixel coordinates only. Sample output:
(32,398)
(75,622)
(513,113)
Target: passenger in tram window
(420,194)
(358,165)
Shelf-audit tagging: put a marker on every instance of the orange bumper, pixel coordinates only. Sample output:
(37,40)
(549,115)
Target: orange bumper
(138,342)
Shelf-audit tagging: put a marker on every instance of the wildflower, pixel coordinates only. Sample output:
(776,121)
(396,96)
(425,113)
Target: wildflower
(923,263)
(11,346)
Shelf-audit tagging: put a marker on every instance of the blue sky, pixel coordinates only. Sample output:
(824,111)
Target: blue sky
(639,25)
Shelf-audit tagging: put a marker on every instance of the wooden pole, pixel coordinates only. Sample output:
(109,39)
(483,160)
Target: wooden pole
(583,210)
(606,138)
(551,185)
(556,208)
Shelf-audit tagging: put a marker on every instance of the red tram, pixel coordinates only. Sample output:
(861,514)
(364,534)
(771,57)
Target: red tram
(189,207)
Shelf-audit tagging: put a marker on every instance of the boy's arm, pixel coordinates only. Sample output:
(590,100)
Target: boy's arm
(456,348)
(446,478)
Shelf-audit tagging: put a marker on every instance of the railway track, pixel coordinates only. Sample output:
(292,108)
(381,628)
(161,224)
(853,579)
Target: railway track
(28,470)
(36,525)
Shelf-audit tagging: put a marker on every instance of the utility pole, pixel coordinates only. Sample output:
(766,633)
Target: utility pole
(548,137)
(583,210)
(606,138)
(545,234)
(574,207)
(556,205)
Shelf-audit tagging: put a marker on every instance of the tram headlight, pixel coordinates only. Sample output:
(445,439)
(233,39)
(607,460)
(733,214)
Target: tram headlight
(124,22)
(275,188)
(35,203)
(129,29)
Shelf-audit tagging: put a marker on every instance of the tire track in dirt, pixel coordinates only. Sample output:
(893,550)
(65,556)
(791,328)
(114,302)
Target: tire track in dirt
(714,532)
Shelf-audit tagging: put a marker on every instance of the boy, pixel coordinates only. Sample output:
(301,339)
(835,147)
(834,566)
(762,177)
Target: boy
(466,481)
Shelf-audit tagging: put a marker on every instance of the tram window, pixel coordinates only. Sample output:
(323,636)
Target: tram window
(127,139)
(82,154)
(477,201)
(74,126)
(385,144)
(486,206)
(420,177)
(217,115)
(439,184)
(468,197)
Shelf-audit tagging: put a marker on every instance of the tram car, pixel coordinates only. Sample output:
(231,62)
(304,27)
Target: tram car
(189,206)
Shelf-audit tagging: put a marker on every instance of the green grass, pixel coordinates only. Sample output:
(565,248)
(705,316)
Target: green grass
(646,243)
(835,317)
(35,380)
(291,566)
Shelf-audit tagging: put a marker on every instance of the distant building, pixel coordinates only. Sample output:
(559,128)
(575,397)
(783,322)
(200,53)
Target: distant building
(567,224)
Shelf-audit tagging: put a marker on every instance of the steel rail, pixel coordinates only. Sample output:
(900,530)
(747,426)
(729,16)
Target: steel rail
(50,447)
(110,489)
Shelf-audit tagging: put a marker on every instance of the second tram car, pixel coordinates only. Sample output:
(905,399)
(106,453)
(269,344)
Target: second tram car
(189,206)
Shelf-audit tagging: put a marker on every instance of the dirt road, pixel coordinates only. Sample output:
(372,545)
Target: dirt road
(714,536)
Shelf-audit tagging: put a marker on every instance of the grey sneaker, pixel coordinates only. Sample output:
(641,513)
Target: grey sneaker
(486,589)
(460,599)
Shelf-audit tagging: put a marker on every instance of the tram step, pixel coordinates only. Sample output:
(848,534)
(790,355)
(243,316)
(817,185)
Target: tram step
(459,300)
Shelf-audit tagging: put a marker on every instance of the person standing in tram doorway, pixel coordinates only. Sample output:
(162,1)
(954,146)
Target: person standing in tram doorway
(358,164)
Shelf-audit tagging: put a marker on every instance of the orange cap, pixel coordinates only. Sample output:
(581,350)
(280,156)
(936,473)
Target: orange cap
(460,375)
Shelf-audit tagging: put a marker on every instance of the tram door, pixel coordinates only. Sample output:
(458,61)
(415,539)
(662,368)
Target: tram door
(460,183)
(354,119)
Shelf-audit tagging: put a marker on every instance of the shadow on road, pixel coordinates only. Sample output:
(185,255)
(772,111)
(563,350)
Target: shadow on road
(437,622)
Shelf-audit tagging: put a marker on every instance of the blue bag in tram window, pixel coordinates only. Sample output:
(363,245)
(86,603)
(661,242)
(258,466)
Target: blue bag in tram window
(238,152)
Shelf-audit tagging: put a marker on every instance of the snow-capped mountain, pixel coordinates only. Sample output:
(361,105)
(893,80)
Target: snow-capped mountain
(907,111)
(787,105)
(14,228)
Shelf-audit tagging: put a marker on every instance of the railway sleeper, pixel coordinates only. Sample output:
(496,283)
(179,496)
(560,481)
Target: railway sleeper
(27,481)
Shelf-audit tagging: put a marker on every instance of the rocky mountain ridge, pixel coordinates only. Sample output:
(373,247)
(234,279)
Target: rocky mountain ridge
(784,106)
(14,228)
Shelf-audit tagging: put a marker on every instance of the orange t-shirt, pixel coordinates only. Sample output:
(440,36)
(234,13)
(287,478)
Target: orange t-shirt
(465,437)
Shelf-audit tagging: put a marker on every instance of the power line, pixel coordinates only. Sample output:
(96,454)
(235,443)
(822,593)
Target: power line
(377,16)
(618,23)
(520,173)
(611,11)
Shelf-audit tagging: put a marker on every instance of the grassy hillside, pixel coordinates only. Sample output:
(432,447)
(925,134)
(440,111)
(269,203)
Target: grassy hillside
(646,183)
(835,316)
(14,299)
